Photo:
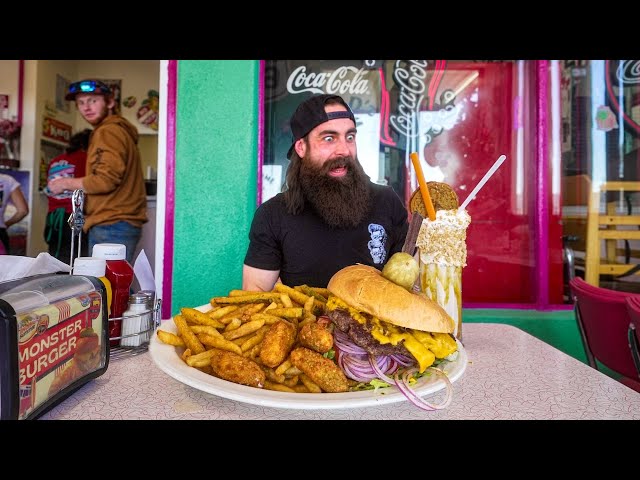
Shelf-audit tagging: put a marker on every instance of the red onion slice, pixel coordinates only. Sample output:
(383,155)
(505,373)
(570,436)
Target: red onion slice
(403,360)
(403,385)
(356,369)
(379,372)
(360,366)
(344,343)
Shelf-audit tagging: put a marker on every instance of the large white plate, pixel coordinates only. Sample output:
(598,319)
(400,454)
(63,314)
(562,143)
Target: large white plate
(167,358)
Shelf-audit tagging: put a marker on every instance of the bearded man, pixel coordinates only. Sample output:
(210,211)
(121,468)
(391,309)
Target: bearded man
(330,214)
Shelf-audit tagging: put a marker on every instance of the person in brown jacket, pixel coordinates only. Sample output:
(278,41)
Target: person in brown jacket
(115,205)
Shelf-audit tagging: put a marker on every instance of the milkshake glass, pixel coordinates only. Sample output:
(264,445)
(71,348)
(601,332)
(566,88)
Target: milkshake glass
(442,255)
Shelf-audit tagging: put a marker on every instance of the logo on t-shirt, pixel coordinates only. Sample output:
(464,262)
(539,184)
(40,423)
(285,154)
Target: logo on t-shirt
(377,243)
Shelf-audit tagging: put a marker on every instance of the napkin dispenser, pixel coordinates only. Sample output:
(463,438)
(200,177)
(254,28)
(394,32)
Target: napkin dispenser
(53,339)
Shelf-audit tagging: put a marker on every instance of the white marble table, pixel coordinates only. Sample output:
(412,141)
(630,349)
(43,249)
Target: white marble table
(510,375)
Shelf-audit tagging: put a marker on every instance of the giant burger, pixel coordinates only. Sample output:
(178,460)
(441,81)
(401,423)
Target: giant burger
(382,329)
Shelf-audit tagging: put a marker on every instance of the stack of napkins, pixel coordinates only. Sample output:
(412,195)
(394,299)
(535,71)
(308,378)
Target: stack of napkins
(14,266)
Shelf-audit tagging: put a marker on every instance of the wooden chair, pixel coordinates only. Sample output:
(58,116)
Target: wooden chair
(605,228)
(603,321)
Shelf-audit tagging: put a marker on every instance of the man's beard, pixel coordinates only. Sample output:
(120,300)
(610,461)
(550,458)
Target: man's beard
(342,202)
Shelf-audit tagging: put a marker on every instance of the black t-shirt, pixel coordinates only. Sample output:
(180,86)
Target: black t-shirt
(307,251)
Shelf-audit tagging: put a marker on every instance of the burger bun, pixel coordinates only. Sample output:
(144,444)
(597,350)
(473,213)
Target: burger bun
(365,289)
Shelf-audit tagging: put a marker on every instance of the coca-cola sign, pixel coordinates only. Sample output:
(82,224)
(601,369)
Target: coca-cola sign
(622,80)
(421,109)
(412,118)
(628,71)
(410,78)
(343,80)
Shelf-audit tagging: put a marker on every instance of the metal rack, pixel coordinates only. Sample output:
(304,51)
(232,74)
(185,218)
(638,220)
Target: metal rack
(148,322)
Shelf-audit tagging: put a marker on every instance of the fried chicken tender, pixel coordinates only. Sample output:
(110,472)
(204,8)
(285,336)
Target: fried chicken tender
(316,337)
(277,343)
(236,368)
(442,196)
(326,374)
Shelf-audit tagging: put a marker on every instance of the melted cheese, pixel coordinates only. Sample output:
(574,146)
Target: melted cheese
(424,346)
(441,344)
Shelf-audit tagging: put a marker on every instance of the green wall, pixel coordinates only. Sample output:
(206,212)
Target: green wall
(215,176)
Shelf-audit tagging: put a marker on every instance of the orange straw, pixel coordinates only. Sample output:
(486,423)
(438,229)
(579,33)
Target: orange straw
(424,191)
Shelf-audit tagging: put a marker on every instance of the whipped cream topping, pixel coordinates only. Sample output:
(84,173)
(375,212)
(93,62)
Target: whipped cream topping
(443,241)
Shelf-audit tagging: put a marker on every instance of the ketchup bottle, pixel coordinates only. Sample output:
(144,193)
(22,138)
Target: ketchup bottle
(120,273)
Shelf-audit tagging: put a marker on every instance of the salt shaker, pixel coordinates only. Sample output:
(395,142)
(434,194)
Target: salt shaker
(151,298)
(136,319)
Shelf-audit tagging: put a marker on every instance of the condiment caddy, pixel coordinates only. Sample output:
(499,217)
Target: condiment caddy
(129,333)
(132,318)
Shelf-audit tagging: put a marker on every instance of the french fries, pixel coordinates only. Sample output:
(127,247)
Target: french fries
(254,341)
(189,338)
(220,343)
(308,305)
(233,324)
(243,330)
(321,291)
(295,312)
(260,330)
(192,315)
(279,387)
(301,298)
(266,317)
(201,359)
(204,329)
(284,366)
(286,301)
(312,293)
(220,312)
(170,338)
(250,298)
(310,384)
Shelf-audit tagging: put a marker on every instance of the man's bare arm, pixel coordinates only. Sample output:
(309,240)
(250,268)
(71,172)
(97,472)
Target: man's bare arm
(22,208)
(258,279)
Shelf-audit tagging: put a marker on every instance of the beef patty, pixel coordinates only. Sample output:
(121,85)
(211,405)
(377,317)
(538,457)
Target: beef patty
(361,334)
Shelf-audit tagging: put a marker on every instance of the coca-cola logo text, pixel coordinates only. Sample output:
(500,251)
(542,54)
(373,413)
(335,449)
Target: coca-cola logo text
(410,78)
(341,81)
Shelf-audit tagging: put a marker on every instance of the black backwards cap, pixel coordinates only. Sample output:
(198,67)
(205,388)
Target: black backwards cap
(311,113)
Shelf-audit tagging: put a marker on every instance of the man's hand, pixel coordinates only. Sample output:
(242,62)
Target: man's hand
(57,185)
(60,184)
